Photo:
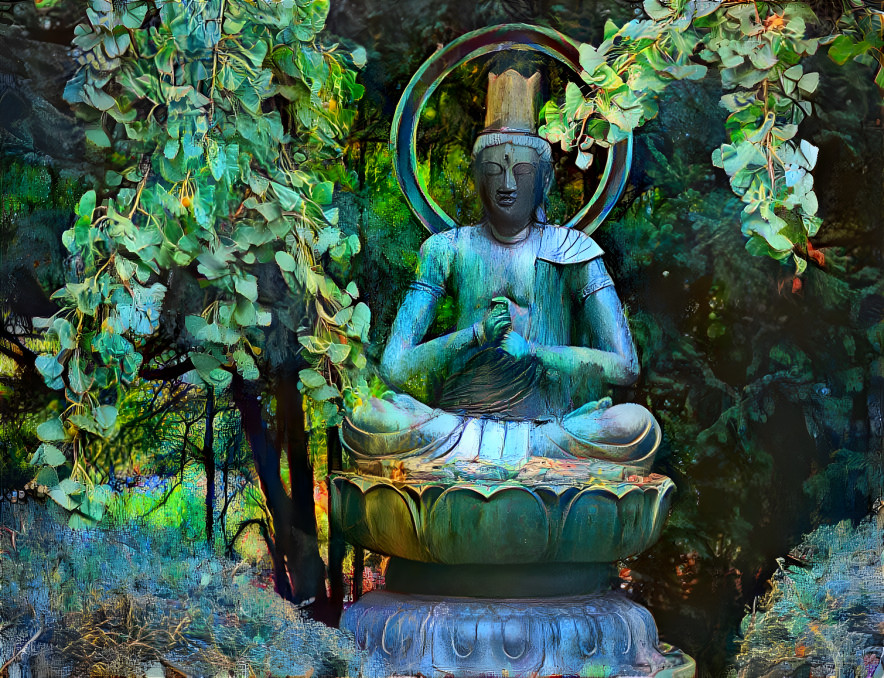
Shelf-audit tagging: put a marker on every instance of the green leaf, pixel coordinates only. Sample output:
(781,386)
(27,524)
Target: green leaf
(324,392)
(67,494)
(311,378)
(590,59)
(233,26)
(245,314)
(313,344)
(573,99)
(86,205)
(763,58)
(337,353)
(360,321)
(767,227)
(47,476)
(285,261)
(87,422)
(290,200)
(92,510)
(360,58)
(759,134)
(48,366)
(322,192)
(204,364)
(791,76)
(735,157)
(810,152)
(48,455)
(63,329)
(656,10)
(97,135)
(98,98)
(217,159)
(247,287)
(134,15)
(80,382)
(106,416)
(195,324)
(52,430)
(245,364)
(258,184)
(360,361)
(170,150)
(842,49)
(256,53)
(343,316)
(270,210)
(811,224)
(809,83)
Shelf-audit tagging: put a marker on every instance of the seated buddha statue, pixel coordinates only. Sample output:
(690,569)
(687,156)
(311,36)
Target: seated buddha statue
(515,390)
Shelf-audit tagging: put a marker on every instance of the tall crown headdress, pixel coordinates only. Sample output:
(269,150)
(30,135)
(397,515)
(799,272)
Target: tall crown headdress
(510,114)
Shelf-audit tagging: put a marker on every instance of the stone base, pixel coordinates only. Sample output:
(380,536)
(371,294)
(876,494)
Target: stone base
(435,637)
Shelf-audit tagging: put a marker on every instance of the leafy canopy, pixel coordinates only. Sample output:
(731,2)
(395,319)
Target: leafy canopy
(222,121)
(757,48)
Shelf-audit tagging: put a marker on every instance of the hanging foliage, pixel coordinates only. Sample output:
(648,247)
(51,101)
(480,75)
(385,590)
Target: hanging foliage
(222,122)
(758,50)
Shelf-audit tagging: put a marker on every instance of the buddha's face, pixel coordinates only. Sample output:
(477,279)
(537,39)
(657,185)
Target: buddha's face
(509,186)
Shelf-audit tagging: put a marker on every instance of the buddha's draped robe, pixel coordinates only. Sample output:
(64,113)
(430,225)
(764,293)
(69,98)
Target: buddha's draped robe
(490,415)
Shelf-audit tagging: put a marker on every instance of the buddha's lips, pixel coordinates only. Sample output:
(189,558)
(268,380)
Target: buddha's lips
(506,200)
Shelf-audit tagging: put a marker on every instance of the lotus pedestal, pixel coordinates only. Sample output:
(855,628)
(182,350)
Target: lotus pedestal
(504,579)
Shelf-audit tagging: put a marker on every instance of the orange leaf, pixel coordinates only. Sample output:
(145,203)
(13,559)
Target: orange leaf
(816,254)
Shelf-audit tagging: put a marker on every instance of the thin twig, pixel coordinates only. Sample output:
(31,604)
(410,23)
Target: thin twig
(22,650)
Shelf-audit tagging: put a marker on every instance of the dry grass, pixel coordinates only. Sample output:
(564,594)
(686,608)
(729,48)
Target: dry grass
(112,602)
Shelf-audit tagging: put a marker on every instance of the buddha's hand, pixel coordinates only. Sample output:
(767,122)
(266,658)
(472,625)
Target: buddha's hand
(516,345)
(494,325)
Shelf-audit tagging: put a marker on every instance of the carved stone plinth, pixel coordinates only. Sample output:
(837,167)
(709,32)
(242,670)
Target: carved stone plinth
(436,637)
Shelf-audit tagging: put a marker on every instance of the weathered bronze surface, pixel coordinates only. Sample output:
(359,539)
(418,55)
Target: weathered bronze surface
(501,480)
(575,635)
(539,334)
(500,523)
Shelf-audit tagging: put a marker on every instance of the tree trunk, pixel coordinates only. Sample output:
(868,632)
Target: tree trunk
(209,464)
(337,547)
(298,570)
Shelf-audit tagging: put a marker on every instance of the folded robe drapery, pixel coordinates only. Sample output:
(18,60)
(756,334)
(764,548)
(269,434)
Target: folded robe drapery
(401,436)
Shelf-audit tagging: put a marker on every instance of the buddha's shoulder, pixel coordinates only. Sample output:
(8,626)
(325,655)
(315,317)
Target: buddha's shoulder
(440,244)
(558,244)
(562,245)
(447,243)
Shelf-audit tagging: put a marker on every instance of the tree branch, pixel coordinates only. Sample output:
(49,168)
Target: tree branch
(169,372)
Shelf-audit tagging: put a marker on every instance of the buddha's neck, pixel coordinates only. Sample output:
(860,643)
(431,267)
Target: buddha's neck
(510,239)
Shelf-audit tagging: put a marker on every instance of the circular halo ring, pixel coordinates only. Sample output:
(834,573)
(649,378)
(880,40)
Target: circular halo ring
(403,137)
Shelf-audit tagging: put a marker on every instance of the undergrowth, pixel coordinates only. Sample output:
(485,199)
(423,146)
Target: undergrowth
(825,609)
(119,600)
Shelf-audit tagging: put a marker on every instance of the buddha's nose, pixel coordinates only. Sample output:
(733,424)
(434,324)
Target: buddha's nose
(509,182)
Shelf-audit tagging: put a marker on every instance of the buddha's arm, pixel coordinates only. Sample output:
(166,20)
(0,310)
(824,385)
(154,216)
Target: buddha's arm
(613,358)
(406,358)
